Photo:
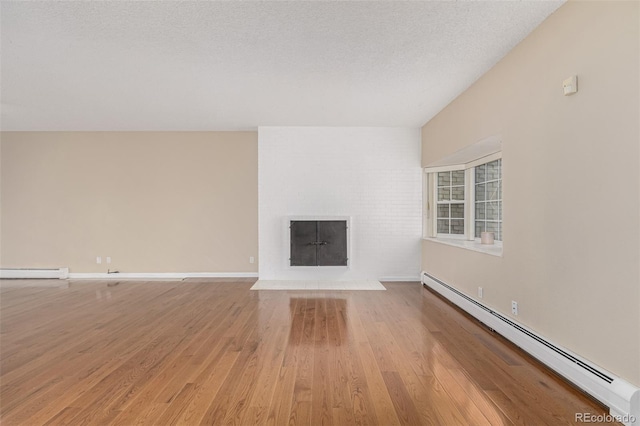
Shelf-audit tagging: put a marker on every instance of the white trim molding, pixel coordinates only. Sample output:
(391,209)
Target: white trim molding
(157,276)
(34,273)
(622,398)
(410,278)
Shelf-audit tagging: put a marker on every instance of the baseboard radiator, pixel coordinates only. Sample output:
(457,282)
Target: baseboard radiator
(622,398)
(31,273)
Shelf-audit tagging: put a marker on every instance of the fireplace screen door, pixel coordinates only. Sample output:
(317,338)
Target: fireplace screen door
(318,243)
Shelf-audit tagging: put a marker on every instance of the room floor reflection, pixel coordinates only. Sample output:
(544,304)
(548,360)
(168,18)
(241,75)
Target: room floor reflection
(318,321)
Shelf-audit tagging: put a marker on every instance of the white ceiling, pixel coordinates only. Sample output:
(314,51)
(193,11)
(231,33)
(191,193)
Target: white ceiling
(239,65)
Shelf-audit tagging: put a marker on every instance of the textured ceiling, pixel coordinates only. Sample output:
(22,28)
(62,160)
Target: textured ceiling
(238,65)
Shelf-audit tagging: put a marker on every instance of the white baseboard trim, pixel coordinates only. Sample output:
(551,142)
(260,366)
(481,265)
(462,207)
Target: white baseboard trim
(622,398)
(412,278)
(158,276)
(36,273)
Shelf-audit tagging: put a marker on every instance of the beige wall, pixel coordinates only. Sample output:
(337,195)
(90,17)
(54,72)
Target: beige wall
(571,183)
(154,202)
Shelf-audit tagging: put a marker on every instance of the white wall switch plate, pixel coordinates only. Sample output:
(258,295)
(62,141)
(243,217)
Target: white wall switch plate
(570,85)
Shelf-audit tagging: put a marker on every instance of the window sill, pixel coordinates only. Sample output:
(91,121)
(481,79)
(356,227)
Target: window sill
(493,250)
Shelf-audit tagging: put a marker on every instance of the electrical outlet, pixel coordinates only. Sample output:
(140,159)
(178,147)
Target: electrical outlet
(480,292)
(252,259)
(108,259)
(514,307)
(98,259)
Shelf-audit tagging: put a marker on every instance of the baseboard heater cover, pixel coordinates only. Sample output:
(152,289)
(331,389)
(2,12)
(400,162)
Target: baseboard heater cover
(34,273)
(622,398)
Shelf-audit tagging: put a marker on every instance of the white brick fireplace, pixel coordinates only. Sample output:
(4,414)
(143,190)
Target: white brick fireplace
(371,175)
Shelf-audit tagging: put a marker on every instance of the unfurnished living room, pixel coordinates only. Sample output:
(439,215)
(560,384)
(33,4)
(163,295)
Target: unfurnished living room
(320,213)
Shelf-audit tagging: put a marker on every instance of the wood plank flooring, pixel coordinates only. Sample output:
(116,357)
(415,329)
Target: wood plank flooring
(198,352)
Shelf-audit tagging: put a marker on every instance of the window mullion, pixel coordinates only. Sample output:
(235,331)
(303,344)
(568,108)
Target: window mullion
(470,196)
(434,205)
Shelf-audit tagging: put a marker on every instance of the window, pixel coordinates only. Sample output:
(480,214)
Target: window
(466,199)
(488,199)
(450,210)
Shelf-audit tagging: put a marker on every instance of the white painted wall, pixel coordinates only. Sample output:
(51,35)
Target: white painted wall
(372,175)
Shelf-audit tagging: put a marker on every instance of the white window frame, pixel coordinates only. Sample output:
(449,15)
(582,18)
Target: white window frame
(473,202)
(437,202)
(430,187)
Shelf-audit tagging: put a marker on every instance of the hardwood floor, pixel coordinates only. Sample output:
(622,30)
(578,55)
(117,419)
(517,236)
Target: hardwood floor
(217,353)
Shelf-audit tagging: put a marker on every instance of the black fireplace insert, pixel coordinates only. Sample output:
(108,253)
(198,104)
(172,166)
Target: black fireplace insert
(318,243)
